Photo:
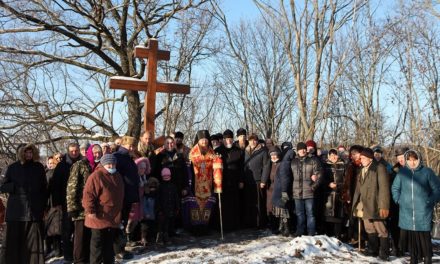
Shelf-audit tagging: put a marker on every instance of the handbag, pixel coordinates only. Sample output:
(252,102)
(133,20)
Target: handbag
(53,222)
(435,231)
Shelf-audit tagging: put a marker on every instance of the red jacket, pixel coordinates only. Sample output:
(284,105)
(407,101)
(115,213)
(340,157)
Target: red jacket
(103,196)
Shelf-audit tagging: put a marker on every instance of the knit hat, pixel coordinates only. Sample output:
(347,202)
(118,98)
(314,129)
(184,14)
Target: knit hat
(377,149)
(241,132)
(311,143)
(301,145)
(108,159)
(286,145)
(400,151)
(166,174)
(274,150)
(228,134)
(367,152)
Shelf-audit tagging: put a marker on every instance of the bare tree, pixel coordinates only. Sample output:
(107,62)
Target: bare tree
(91,38)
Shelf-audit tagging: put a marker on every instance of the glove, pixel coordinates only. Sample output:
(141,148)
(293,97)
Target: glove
(73,214)
(383,213)
(284,198)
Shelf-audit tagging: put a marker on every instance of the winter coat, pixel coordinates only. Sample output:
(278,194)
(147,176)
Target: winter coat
(79,173)
(103,196)
(416,192)
(256,165)
(26,184)
(128,170)
(60,178)
(333,172)
(273,190)
(373,191)
(177,163)
(300,170)
(233,166)
(168,199)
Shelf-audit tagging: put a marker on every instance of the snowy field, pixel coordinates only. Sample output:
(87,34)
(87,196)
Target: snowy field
(261,247)
(257,247)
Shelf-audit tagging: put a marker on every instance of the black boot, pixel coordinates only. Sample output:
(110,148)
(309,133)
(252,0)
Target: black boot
(373,245)
(274,224)
(285,223)
(384,251)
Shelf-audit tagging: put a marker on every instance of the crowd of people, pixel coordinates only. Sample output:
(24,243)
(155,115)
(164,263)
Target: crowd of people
(94,202)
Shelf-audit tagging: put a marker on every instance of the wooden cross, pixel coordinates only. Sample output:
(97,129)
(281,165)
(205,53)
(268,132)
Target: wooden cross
(151,86)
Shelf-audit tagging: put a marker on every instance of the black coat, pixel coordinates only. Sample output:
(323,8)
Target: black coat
(129,172)
(233,174)
(334,205)
(27,188)
(59,181)
(168,199)
(256,165)
(176,162)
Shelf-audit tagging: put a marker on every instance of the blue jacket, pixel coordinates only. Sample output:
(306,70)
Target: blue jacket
(416,192)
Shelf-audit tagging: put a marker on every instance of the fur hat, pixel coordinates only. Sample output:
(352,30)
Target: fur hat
(241,132)
(378,149)
(367,152)
(108,159)
(215,137)
(228,134)
(286,145)
(311,143)
(301,145)
(178,134)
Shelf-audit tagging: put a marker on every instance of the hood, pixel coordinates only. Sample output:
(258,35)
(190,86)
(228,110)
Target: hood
(90,158)
(35,151)
(418,155)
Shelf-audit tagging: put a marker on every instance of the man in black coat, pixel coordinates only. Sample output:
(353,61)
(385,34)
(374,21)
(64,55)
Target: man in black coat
(25,182)
(256,168)
(232,182)
(57,189)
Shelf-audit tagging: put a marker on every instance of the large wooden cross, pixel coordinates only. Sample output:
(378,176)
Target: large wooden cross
(150,85)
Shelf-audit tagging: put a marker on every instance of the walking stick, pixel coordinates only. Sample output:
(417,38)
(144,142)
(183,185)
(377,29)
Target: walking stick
(359,235)
(220,210)
(218,177)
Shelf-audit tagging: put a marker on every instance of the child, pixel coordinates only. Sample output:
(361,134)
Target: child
(136,213)
(148,223)
(167,207)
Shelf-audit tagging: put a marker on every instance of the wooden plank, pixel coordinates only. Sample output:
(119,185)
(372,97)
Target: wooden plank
(128,83)
(142,52)
(170,87)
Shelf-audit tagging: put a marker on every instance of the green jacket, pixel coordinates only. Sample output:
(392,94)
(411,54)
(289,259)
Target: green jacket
(79,173)
(373,191)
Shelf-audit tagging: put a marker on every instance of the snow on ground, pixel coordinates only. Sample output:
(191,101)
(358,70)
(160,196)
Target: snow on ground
(252,247)
(264,248)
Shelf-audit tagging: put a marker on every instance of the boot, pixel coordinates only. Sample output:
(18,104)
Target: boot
(384,251)
(274,225)
(284,223)
(373,245)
